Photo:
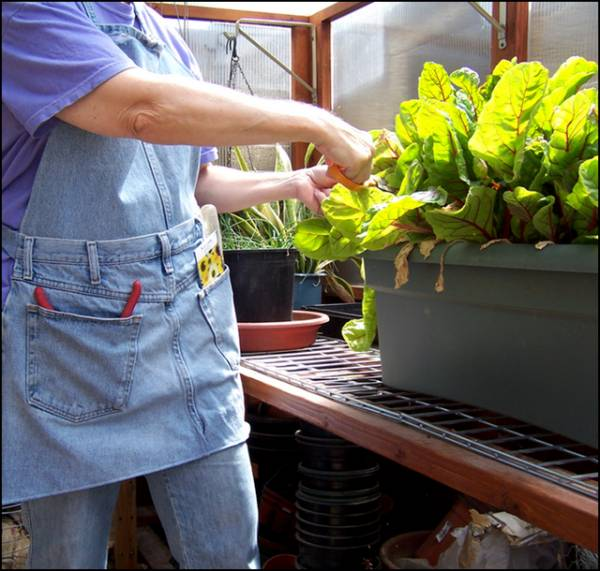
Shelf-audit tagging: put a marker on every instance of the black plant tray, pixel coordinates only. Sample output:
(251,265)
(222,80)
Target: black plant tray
(339,314)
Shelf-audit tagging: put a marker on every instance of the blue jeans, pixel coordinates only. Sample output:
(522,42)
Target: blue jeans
(207,508)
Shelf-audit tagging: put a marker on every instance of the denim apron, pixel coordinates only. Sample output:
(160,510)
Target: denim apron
(89,397)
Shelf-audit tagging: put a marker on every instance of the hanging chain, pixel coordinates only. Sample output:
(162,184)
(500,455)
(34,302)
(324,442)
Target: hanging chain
(234,68)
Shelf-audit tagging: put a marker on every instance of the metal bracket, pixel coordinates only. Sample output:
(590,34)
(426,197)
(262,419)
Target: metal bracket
(500,26)
(311,88)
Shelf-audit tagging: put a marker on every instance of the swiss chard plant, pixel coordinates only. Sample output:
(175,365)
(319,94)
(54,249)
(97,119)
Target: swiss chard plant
(513,159)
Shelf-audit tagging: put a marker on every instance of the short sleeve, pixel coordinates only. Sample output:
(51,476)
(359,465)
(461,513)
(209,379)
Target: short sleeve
(52,55)
(209,155)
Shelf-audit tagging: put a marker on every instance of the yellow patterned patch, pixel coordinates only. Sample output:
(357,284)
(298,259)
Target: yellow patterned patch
(210,267)
(209,260)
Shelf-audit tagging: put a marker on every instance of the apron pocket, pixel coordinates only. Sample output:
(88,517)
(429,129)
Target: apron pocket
(216,304)
(79,367)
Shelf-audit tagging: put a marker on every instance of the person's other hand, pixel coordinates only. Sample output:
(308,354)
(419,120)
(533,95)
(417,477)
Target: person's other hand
(313,186)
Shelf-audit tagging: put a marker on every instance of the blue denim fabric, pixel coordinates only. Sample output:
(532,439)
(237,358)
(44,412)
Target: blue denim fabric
(199,506)
(90,398)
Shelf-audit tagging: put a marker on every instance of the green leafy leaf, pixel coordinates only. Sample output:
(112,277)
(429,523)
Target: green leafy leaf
(406,127)
(413,178)
(530,163)
(502,127)
(346,210)
(474,221)
(571,75)
(523,204)
(467,81)
(492,80)
(360,333)
(584,198)
(317,239)
(570,131)
(312,238)
(387,149)
(387,227)
(545,220)
(434,83)
(442,153)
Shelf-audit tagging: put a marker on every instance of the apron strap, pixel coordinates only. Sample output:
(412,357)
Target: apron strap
(90,11)
(10,241)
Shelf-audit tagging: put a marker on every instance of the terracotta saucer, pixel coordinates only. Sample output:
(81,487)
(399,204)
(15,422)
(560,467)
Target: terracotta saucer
(282,335)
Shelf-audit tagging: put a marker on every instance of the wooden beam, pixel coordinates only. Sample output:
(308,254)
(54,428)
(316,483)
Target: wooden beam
(218,14)
(125,549)
(517,27)
(336,11)
(323,32)
(302,65)
(570,516)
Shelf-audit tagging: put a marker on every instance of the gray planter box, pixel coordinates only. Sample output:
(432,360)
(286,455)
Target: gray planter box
(515,331)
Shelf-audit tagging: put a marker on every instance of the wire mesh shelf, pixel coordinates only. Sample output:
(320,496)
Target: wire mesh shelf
(329,368)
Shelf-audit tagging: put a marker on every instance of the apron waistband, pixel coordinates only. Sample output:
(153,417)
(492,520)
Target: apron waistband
(125,250)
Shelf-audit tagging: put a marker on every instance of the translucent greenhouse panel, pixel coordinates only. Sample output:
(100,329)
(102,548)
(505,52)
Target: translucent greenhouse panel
(208,43)
(378,53)
(559,30)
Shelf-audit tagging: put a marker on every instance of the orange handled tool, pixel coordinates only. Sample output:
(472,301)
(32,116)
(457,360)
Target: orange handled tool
(336,173)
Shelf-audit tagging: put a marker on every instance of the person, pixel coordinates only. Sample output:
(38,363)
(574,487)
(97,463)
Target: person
(117,360)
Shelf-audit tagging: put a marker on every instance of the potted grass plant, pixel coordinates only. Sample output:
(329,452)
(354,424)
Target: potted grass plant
(479,230)
(269,276)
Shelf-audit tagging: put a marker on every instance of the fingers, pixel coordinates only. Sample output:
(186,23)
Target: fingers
(351,150)
(320,196)
(360,171)
(320,177)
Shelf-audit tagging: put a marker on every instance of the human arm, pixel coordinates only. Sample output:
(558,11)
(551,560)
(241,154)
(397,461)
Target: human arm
(167,110)
(75,73)
(231,190)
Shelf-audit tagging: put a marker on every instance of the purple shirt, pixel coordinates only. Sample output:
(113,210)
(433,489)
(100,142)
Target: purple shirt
(52,55)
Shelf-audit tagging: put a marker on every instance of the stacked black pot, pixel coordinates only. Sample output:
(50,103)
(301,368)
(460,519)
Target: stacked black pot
(274,455)
(272,444)
(337,503)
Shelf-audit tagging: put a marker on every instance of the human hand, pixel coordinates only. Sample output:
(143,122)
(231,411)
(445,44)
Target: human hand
(313,185)
(347,147)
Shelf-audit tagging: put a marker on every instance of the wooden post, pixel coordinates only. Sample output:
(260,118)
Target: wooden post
(125,550)
(302,65)
(517,26)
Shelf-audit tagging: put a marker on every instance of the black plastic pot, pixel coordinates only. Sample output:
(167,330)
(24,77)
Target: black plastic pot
(360,518)
(332,454)
(349,481)
(335,531)
(272,442)
(263,284)
(308,429)
(342,541)
(347,495)
(336,506)
(272,424)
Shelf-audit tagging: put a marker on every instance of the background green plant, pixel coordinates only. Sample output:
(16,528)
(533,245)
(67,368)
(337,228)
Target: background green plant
(273,225)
